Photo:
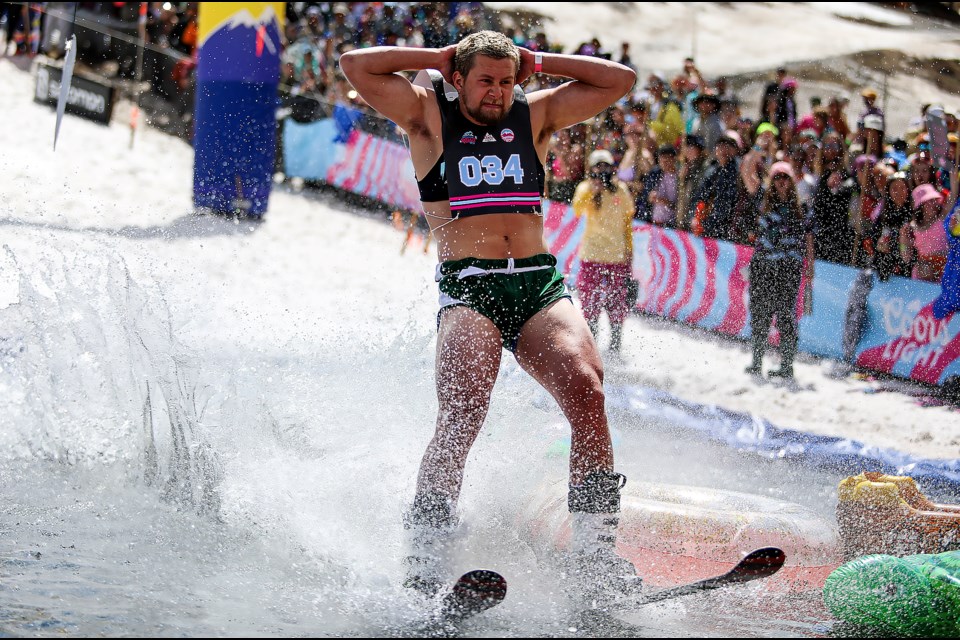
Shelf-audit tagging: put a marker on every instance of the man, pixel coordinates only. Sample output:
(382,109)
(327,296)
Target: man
(772,90)
(715,200)
(709,126)
(478,154)
(691,177)
(606,250)
(870,108)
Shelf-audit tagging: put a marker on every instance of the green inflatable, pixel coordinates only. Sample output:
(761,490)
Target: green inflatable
(912,596)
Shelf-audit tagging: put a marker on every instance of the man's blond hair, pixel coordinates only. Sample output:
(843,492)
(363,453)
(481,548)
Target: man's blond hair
(484,43)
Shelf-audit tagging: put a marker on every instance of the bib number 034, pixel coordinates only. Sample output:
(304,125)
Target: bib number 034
(490,169)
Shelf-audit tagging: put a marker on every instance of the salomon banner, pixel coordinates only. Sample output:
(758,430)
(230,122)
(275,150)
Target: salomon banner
(238,72)
(86,98)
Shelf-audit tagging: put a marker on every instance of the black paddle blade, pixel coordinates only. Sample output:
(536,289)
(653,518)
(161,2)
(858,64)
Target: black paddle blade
(474,592)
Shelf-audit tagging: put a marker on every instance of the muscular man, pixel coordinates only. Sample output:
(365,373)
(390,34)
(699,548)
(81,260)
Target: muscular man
(478,155)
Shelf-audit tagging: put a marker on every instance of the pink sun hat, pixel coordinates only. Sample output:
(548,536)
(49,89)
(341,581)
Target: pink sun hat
(925,193)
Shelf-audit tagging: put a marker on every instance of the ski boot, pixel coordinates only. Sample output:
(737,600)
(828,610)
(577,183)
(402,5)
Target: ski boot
(429,526)
(597,571)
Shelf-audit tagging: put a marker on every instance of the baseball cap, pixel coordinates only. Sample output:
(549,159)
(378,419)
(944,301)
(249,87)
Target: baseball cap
(766,126)
(598,156)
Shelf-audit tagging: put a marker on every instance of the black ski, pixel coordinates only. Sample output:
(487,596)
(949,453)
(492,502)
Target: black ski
(759,564)
(474,592)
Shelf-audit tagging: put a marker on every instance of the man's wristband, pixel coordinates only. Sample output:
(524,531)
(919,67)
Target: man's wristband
(537,62)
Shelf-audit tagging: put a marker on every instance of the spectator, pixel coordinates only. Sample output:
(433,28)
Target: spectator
(806,181)
(686,92)
(786,110)
(834,237)
(760,158)
(692,75)
(667,124)
(744,131)
(783,244)
(710,128)
(625,55)
(729,113)
(566,164)
(893,212)
(816,122)
(610,133)
(872,183)
(639,158)
(606,251)
(833,153)
(872,135)
(921,169)
(870,108)
(716,199)
(660,189)
(923,242)
(837,120)
(692,172)
(724,91)
(770,92)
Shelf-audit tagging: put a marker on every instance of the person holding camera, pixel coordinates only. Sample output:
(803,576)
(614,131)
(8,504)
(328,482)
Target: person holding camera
(606,251)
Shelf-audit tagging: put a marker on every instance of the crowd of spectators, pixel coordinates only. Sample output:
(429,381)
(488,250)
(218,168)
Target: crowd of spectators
(693,155)
(318,33)
(697,158)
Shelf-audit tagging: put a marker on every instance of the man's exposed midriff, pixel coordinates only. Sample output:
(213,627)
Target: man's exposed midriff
(489,236)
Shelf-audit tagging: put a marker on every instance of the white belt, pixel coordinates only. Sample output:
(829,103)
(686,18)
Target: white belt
(477,271)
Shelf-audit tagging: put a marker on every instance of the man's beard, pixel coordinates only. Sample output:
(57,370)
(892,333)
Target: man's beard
(484,118)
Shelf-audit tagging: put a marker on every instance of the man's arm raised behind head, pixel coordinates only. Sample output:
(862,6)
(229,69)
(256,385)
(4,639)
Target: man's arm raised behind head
(373,73)
(598,83)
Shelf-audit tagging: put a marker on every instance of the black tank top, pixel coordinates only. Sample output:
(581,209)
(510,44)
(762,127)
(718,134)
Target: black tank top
(485,169)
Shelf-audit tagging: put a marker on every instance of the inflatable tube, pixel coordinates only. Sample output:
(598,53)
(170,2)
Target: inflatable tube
(677,534)
(912,596)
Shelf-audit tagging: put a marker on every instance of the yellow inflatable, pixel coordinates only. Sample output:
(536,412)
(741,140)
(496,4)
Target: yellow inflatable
(885,514)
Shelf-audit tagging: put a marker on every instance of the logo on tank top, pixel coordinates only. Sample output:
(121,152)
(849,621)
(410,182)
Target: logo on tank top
(489,138)
(468,138)
(507,135)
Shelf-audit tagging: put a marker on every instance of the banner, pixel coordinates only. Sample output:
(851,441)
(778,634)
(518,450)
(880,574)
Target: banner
(352,160)
(87,99)
(238,73)
(904,338)
(699,281)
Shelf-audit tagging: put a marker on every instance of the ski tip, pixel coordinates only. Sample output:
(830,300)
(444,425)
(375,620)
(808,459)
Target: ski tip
(763,562)
(475,591)
(483,583)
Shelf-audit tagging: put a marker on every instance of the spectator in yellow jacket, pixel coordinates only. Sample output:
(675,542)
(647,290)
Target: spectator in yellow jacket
(606,250)
(666,116)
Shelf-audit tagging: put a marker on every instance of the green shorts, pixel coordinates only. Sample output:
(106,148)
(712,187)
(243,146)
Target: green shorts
(508,292)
